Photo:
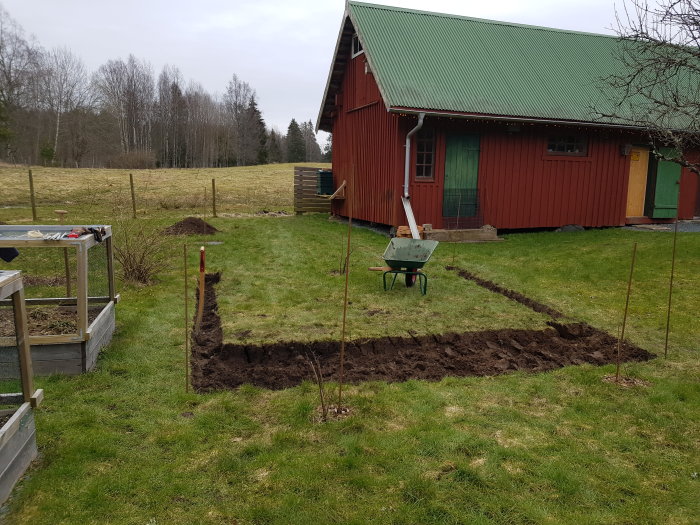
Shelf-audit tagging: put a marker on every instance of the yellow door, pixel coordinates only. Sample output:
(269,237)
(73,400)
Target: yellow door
(637,188)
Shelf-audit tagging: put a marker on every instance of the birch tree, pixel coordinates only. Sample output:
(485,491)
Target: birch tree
(126,89)
(63,86)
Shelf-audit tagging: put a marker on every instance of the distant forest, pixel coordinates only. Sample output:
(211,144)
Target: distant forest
(53,112)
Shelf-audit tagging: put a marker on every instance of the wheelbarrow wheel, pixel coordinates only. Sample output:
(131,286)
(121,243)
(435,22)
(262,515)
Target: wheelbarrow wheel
(410,280)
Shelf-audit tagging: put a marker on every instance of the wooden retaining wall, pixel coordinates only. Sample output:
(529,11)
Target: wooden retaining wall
(305,198)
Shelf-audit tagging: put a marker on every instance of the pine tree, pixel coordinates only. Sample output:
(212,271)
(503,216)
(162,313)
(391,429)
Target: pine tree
(296,148)
(258,134)
(328,150)
(275,151)
(312,151)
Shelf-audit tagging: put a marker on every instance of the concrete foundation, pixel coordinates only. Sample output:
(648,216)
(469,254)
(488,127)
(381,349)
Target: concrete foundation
(484,234)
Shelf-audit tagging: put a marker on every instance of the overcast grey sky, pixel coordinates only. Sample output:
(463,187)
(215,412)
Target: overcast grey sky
(282,48)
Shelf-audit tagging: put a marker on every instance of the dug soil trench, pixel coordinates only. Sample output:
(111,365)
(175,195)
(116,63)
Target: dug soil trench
(218,366)
(510,294)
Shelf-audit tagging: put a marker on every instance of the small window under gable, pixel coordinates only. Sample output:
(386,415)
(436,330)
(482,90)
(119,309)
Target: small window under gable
(356,46)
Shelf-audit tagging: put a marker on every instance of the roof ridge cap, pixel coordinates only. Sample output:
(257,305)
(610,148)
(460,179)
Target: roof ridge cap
(476,19)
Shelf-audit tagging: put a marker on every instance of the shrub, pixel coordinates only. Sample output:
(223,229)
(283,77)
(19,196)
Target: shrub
(134,160)
(141,253)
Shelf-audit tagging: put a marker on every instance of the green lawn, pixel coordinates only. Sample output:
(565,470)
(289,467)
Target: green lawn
(126,444)
(281,280)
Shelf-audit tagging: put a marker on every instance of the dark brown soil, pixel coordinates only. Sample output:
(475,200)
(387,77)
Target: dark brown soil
(190,226)
(45,320)
(38,280)
(3,420)
(510,294)
(218,366)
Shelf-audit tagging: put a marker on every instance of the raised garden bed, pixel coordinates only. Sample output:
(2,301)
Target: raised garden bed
(83,322)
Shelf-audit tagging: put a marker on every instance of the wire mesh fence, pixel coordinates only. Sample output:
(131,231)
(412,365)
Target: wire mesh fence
(9,355)
(461,209)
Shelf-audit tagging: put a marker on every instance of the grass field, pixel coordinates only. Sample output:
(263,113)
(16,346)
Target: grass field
(97,194)
(126,444)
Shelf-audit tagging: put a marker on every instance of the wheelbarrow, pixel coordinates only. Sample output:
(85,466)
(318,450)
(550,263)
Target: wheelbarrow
(407,257)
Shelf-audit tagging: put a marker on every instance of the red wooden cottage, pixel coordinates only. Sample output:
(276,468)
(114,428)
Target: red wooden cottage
(465,122)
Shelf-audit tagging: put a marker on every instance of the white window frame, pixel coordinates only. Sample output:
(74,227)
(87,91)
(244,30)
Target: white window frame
(356,40)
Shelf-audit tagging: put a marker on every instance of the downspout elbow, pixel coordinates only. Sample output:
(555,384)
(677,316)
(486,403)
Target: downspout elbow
(407,162)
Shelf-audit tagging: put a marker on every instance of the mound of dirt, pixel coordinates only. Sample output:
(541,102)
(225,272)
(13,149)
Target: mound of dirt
(190,226)
(218,366)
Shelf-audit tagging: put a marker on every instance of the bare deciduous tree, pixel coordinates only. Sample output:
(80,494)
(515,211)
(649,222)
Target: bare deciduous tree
(18,62)
(658,87)
(237,101)
(63,85)
(127,90)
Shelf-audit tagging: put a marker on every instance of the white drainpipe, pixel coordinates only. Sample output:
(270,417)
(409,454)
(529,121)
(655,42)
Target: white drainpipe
(405,199)
(407,163)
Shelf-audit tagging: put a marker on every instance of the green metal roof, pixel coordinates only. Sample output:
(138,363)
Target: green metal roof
(439,62)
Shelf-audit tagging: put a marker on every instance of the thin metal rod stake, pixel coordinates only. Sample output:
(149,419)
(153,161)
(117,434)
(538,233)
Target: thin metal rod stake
(187,319)
(624,319)
(200,309)
(345,301)
(670,287)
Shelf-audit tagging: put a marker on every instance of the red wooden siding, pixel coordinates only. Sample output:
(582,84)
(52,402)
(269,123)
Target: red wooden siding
(520,185)
(368,149)
(689,201)
(426,196)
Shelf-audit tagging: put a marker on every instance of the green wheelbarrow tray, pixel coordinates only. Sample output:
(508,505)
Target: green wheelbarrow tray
(408,253)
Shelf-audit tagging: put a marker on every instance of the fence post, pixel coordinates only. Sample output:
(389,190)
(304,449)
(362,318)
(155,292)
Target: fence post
(213,195)
(31,195)
(133,195)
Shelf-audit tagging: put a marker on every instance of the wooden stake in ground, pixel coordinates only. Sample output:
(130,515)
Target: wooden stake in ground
(187,322)
(61,215)
(213,196)
(133,196)
(341,377)
(31,196)
(200,308)
(670,287)
(624,318)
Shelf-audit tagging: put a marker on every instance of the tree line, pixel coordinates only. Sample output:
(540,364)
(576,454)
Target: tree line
(53,112)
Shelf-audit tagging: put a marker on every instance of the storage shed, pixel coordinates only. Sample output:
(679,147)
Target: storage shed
(464,122)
